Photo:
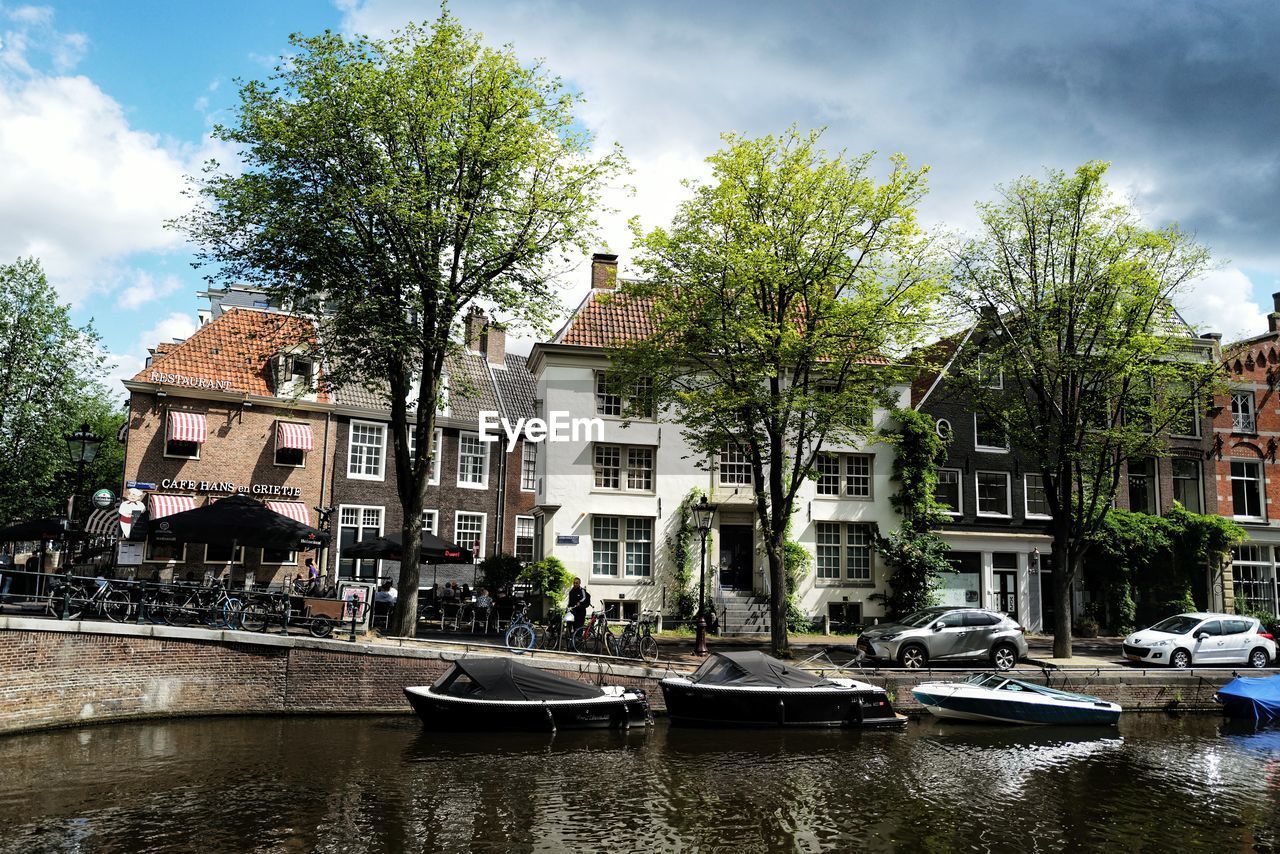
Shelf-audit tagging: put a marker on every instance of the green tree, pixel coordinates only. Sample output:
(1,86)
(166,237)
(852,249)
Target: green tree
(49,371)
(778,291)
(915,551)
(386,188)
(1072,298)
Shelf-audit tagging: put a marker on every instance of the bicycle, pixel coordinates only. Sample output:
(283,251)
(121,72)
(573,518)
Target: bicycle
(521,635)
(554,635)
(104,600)
(637,639)
(595,636)
(265,609)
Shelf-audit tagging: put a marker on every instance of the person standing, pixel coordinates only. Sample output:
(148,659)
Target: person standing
(579,602)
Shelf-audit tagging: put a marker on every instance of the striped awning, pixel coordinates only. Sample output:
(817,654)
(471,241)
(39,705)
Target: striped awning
(104,522)
(187,427)
(167,505)
(290,434)
(295,510)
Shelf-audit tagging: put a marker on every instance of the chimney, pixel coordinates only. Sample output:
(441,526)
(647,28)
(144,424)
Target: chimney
(1273,319)
(493,343)
(604,271)
(473,327)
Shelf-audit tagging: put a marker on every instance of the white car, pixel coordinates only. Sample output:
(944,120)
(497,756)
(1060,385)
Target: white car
(1191,639)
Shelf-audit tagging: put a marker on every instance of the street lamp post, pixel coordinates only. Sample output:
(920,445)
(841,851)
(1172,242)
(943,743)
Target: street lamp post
(702,513)
(82,448)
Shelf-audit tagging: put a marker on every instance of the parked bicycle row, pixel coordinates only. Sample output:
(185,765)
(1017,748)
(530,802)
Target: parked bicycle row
(596,636)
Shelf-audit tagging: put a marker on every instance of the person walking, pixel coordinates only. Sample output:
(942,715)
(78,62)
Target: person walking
(579,602)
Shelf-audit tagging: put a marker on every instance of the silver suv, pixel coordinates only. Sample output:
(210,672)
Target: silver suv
(947,633)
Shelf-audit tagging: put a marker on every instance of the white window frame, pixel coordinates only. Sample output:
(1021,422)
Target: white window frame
(146,550)
(433,478)
(959,510)
(1198,479)
(1153,475)
(275,456)
(998,384)
(623,527)
(977,495)
(989,449)
(238,558)
(1261,482)
(842,546)
(291,560)
(533,535)
(382,450)
(528,466)
(484,462)
(477,553)
(720,465)
(434,527)
(1238,417)
(169,456)
(1026,496)
(359,510)
(604,396)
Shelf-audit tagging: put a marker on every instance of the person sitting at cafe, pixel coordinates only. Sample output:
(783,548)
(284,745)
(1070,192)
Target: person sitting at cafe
(450,592)
(386,594)
(484,607)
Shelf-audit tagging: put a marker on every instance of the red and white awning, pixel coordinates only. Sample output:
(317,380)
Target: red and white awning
(187,427)
(295,510)
(290,434)
(103,522)
(167,505)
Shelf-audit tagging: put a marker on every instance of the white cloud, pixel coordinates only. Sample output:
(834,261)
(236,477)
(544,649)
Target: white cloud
(32,33)
(139,287)
(175,325)
(1222,301)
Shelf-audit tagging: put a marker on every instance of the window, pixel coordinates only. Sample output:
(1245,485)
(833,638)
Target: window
(735,466)
(1246,489)
(843,552)
(844,474)
(948,491)
(473,462)
(356,523)
(437,439)
(1242,416)
(608,400)
(1254,579)
(468,531)
(1188,486)
(280,556)
(608,467)
(293,440)
(622,541)
(989,433)
(431,521)
(989,375)
(185,431)
(1143,494)
(162,551)
(1037,500)
(604,545)
(366,450)
(640,469)
(528,466)
(222,554)
(524,538)
(1187,420)
(993,493)
(293,457)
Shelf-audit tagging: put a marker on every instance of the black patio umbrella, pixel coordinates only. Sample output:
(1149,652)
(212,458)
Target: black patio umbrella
(434,549)
(235,520)
(36,529)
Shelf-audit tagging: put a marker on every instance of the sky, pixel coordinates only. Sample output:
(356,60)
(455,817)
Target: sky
(105,108)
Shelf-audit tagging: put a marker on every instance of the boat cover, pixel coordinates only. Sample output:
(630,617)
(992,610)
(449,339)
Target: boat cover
(1257,698)
(753,668)
(504,679)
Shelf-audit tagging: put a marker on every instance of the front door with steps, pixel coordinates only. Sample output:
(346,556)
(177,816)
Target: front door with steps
(737,545)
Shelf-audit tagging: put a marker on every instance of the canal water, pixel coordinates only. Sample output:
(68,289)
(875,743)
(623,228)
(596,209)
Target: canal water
(382,784)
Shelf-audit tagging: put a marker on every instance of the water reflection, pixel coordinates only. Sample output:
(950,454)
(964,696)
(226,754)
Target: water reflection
(335,784)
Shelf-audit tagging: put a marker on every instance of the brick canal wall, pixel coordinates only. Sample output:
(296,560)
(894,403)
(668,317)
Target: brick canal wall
(59,674)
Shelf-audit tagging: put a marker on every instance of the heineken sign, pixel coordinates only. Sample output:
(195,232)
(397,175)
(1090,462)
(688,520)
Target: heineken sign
(228,488)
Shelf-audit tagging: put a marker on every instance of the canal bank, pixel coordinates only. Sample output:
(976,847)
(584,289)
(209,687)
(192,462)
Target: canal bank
(55,674)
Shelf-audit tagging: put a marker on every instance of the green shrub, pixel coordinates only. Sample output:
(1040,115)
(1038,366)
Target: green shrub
(498,572)
(548,577)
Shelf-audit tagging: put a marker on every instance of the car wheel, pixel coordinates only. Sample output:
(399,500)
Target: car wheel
(1004,656)
(1259,658)
(914,657)
(1180,659)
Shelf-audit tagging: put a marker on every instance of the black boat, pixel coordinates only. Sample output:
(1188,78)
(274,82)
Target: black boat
(501,694)
(754,689)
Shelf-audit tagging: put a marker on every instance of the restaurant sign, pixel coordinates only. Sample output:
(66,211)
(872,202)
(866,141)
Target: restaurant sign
(189,381)
(229,488)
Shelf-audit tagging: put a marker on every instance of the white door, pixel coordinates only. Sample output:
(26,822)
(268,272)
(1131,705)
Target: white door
(1211,649)
(1237,641)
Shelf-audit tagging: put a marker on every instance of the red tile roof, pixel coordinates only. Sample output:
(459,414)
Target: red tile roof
(607,319)
(235,349)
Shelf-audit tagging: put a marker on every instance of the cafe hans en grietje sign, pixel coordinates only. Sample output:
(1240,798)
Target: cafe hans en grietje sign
(190,382)
(229,487)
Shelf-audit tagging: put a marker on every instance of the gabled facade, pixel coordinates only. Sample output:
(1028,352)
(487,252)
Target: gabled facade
(609,505)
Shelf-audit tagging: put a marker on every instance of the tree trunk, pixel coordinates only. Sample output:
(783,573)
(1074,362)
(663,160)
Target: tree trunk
(777,599)
(405,618)
(1064,566)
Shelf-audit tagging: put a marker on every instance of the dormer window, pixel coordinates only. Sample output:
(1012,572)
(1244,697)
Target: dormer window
(295,375)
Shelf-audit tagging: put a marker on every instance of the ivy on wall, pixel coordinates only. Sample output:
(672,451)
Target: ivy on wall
(683,544)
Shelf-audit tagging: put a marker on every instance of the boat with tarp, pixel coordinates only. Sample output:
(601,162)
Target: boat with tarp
(1251,698)
(753,689)
(501,694)
(995,697)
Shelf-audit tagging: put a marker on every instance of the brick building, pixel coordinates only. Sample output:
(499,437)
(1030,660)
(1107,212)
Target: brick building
(231,409)
(1246,437)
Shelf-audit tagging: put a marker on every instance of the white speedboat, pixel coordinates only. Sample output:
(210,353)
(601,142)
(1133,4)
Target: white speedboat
(995,697)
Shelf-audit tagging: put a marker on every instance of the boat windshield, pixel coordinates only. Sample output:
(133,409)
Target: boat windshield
(985,680)
(1179,625)
(923,618)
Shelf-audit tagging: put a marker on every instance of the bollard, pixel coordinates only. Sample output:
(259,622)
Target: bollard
(826,624)
(66,601)
(140,592)
(352,604)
